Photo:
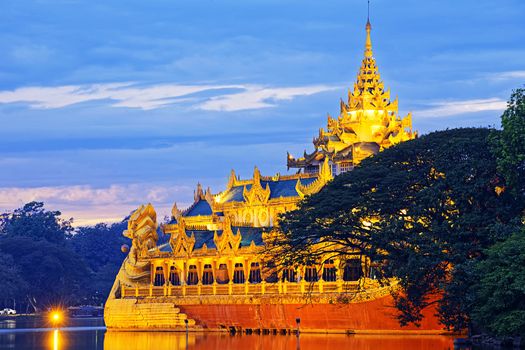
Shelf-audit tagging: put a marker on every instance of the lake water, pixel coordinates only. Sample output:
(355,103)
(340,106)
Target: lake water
(32,333)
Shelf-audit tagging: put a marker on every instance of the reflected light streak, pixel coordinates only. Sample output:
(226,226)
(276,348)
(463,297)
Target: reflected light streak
(56,338)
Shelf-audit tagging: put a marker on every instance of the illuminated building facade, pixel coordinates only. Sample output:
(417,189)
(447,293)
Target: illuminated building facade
(210,274)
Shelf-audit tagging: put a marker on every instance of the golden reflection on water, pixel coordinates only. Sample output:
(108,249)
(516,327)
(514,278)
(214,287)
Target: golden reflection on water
(212,341)
(55,340)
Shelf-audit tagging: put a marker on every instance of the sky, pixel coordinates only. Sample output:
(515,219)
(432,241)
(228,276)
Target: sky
(106,105)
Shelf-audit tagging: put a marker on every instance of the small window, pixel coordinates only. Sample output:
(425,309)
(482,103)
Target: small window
(222,274)
(207,275)
(159,277)
(334,169)
(255,273)
(329,271)
(174,276)
(193,276)
(310,274)
(345,166)
(353,270)
(238,273)
(289,275)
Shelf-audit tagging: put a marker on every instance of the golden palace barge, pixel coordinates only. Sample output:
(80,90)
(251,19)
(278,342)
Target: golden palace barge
(210,275)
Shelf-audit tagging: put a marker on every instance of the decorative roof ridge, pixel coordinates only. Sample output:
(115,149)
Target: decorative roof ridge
(325,175)
(188,209)
(257,193)
(290,177)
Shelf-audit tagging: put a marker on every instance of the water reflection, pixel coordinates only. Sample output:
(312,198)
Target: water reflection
(33,333)
(88,334)
(55,339)
(177,341)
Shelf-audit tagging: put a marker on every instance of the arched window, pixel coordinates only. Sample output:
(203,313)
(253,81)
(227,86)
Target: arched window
(255,273)
(329,273)
(174,276)
(193,276)
(222,274)
(289,275)
(352,271)
(310,274)
(207,274)
(238,273)
(159,277)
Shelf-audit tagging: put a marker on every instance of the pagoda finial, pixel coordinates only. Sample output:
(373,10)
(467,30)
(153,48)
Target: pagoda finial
(198,193)
(368,45)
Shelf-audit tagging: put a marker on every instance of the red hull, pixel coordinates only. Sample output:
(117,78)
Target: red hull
(367,317)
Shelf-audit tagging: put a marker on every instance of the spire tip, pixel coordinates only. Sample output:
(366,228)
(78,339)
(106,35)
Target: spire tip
(368,25)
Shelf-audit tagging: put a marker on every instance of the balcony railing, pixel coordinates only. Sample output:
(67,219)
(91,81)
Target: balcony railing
(263,288)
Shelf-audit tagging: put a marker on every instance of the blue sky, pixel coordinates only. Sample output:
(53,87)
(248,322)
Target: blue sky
(105,105)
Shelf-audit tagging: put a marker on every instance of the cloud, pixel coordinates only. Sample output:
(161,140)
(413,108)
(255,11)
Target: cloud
(510,75)
(89,205)
(255,97)
(449,108)
(223,97)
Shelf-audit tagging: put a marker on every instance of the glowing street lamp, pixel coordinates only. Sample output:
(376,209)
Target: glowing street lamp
(56,317)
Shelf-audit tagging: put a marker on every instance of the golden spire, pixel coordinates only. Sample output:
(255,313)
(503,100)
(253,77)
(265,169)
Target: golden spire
(368,45)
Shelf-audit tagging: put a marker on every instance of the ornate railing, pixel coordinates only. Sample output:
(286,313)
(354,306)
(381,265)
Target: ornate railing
(263,288)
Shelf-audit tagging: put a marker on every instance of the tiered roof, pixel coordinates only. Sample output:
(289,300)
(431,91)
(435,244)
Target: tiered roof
(368,122)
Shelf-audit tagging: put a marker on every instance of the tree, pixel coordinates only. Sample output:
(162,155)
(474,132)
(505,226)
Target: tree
(52,272)
(422,211)
(12,283)
(500,293)
(44,270)
(32,220)
(99,247)
(510,143)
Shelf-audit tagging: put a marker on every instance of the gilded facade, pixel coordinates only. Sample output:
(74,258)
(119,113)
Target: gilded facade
(210,273)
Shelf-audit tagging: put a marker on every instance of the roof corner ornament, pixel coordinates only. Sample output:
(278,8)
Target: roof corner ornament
(209,198)
(232,181)
(256,176)
(198,193)
(325,172)
(175,212)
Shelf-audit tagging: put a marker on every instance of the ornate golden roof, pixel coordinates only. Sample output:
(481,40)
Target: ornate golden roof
(368,122)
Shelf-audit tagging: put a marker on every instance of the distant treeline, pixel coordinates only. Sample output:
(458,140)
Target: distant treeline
(45,261)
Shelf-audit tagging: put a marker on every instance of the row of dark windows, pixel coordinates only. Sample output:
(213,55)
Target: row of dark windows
(352,272)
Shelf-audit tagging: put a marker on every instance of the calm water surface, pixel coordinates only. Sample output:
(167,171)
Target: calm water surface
(32,333)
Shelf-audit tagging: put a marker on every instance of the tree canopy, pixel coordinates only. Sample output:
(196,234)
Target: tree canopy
(45,261)
(99,247)
(423,211)
(33,221)
(510,144)
(500,293)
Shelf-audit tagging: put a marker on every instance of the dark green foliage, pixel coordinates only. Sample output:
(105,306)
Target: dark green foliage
(33,221)
(11,283)
(510,144)
(43,262)
(424,210)
(43,269)
(51,272)
(99,247)
(500,304)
